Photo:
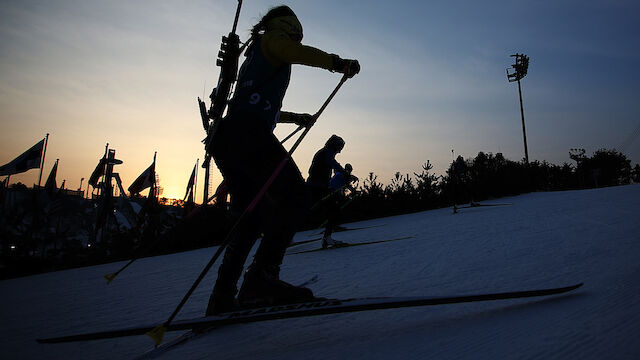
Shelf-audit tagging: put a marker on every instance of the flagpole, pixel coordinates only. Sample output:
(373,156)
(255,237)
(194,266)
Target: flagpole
(154,185)
(206,164)
(195,181)
(44,153)
(102,190)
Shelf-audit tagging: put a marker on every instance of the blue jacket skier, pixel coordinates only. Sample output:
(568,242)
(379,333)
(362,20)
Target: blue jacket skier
(247,153)
(342,180)
(336,201)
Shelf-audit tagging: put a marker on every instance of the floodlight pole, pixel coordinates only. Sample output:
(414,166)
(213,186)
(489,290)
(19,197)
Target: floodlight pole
(521,67)
(524,131)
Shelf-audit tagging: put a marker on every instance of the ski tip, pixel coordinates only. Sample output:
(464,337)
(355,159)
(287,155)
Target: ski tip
(578,285)
(570,287)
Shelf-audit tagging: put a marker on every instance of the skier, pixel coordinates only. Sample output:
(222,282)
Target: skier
(247,153)
(459,175)
(222,192)
(322,165)
(339,183)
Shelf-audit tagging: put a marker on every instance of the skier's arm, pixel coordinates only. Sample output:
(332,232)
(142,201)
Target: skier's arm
(295,118)
(333,163)
(278,48)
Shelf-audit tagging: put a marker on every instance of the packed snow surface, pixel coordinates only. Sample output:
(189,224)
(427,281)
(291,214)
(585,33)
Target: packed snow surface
(540,240)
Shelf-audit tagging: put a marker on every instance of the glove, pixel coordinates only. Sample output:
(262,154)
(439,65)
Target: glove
(305,120)
(345,66)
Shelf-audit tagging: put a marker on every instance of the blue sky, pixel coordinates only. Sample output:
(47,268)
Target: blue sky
(433,79)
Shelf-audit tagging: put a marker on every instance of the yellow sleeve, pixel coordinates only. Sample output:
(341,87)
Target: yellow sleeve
(278,48)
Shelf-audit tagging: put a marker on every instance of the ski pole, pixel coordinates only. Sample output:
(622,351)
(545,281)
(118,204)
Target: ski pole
(111,276)
(293,148)
(344,205)
(158,332)
(317,115)
(141,251)
(329,195)
(291,135)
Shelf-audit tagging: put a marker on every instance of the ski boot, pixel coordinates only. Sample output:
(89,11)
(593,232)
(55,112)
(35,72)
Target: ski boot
(340,228)
(262,287)
(222,300)
(329,242)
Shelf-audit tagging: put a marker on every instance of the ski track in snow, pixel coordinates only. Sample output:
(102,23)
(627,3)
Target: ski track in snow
(544,239)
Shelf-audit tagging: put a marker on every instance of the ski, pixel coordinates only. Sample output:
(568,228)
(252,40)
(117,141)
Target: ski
(314,308)
(314,279)
(303,242)
(358,228)
(344,229)
(482,205)
(344,245)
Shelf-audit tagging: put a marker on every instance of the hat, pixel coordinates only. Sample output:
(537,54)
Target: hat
(335,142)
(284,19)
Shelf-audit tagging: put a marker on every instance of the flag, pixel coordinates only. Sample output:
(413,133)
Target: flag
(189,194)
(145,180)
(30,159)
(51,180)
(98,172)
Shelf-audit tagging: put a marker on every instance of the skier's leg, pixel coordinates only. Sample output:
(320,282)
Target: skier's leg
(222,298)
(234,159)
(327,240)
(286,203)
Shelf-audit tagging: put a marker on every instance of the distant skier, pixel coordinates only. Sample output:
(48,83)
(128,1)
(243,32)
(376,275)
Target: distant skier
(460,179)
(338,185)
(247,153)
(342,181)
(323,164)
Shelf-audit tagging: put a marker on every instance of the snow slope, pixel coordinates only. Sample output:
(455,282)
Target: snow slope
(542,240)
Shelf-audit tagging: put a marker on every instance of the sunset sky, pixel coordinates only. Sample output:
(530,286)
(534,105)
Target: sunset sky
(128,73)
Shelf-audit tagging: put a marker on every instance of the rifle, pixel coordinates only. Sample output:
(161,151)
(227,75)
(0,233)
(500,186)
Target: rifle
(228,61)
